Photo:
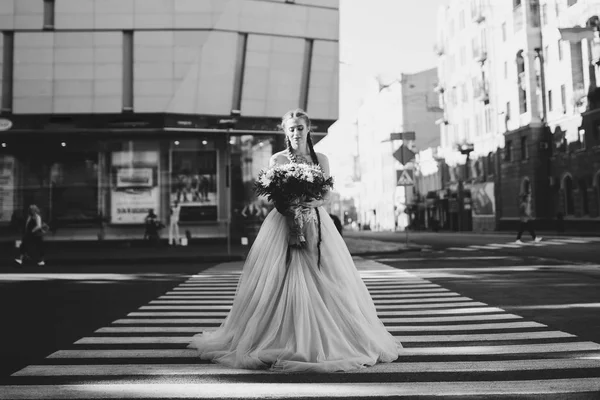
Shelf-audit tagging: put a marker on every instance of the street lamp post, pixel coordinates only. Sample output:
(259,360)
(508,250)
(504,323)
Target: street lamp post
(465,148)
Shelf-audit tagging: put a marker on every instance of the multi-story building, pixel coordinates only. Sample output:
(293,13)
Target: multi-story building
(551,144)
(469,128)
(569,185)
(111,108)
(404,105)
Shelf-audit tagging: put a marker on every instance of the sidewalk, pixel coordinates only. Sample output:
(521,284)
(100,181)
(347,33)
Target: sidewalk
(86,253)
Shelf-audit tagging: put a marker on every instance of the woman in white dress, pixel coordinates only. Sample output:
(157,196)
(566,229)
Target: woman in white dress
(299,309)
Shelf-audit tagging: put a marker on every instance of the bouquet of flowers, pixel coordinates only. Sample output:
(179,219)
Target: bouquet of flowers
(290,185)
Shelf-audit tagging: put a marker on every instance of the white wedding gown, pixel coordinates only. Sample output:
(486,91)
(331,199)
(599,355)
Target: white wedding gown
(295,317)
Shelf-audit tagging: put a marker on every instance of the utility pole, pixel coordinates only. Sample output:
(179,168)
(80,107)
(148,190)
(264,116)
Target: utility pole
(404,155)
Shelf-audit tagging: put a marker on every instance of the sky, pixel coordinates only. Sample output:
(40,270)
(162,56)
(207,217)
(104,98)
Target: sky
(383,37)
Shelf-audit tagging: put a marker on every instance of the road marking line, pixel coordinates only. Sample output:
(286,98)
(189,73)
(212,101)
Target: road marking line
(520,336)
(392,368)
(394,328)
(460,249)
(483,247)
(406,352)
(455,318)
(405,390)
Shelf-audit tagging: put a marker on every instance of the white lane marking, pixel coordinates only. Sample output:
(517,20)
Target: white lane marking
(413,328)
(190,390)
(479,247)
(460,249)
(512,336)
(382,300)
(410,352)
(576,241)
(454,318)
(507,245)
(461,308)
(214,369)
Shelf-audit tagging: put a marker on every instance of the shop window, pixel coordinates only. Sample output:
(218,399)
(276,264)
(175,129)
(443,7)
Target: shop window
(525,186)
(194,182)
(568,193)
(524,149)
(74,187)
(134,185)
(7,187)
(491,166)
(584,197)
(508,151)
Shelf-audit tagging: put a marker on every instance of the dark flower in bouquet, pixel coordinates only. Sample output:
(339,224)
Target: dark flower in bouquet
(288,186)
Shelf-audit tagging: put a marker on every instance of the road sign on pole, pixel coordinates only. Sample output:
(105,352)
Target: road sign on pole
(404,154)
(409,135)
(404,178)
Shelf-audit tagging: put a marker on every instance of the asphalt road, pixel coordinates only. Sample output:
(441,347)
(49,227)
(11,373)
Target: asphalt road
(48,309)
(586,252)
(515,322)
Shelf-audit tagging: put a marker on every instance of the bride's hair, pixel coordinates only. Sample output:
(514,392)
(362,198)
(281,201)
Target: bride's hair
(301,114)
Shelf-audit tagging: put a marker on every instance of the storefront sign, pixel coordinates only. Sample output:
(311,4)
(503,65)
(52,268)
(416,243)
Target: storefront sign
(482,195)
(130,206)
(134,189)
(194,184)
(7,187)
(5,124)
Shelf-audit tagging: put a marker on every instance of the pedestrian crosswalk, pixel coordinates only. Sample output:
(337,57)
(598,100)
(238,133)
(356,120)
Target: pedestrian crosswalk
(514,245)
(455,347)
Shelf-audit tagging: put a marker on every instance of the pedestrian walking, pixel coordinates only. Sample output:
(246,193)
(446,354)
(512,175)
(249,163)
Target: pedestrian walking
(526,223)
(32,241)
(174,224)
(152,227)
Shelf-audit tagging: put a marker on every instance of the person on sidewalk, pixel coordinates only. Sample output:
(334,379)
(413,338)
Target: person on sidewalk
(174,224)
(33,241)
(152,227)
(526,219)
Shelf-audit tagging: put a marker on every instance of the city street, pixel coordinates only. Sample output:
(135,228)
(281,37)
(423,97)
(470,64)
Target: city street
(488,323)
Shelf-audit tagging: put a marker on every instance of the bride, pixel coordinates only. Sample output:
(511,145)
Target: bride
(292,313)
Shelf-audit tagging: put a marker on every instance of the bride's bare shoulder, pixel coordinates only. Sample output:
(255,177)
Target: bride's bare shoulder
(279,158)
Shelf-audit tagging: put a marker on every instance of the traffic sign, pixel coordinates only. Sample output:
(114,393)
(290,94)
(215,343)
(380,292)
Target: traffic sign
(404,154)
(404,178)
(410,135)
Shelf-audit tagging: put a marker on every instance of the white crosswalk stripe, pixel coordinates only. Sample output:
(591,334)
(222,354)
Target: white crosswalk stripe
(514,245)
(455,347)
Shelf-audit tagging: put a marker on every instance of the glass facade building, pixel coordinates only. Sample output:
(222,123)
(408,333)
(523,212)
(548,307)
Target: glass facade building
(112,108)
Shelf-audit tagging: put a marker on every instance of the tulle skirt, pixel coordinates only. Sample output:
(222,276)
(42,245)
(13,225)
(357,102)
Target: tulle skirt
(290,314)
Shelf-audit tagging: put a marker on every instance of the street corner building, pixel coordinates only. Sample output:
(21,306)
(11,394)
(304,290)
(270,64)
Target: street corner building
(519,88)
(112,108)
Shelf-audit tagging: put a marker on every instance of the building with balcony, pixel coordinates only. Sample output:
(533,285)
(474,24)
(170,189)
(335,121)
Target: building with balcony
(469,132)
(112,108)
(571,151)
(551,144)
